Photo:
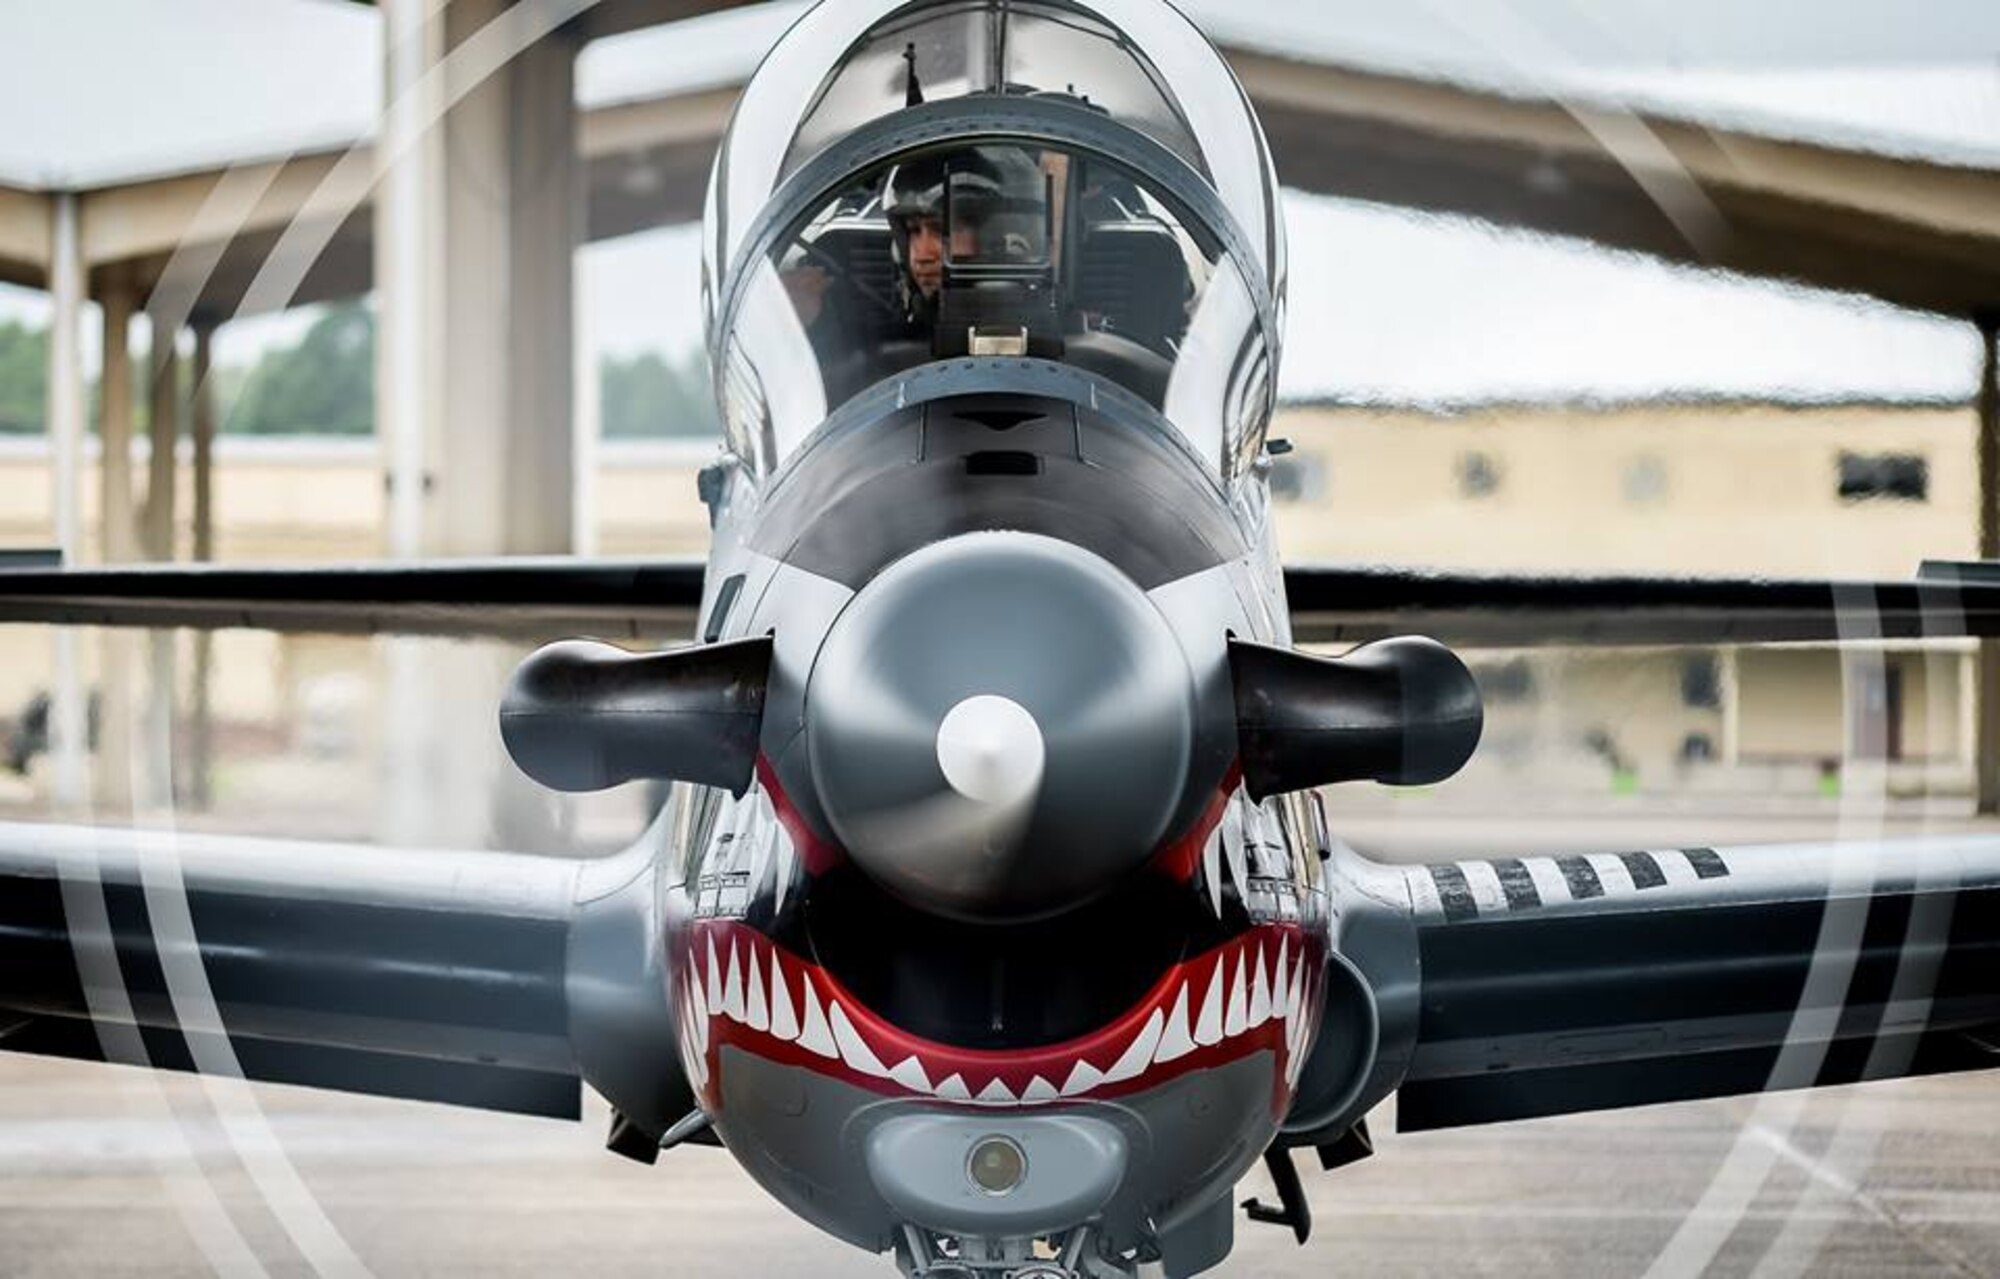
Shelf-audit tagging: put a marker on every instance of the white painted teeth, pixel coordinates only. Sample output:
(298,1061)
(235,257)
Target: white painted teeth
(784,1021)
(1240,994)
(732,987)
(1236,1019)
(756,1014)
(910,1073)
(854,1050)
(1244,824)
(1238,823)
(1278,985)
(1208,1026)
(694,1034)
(756,830)
(1139,1053)
(1260,991)
(954,1089)
(1175,1041)
(714,980)
(996,1094)
(698,1002)
(787,857)
(815,1035)
(1083,1076)
(1296,1012)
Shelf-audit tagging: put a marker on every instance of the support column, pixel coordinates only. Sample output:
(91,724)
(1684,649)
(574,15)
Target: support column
(546,179)
(476,229)
(201,727)
(408,250)
(164,432)
(587,427)
(118,534)
(1966,754)
(117,649)
(203,429)
(1730,678)
(1988,745)
(68,717)
(512,197)
(65,378)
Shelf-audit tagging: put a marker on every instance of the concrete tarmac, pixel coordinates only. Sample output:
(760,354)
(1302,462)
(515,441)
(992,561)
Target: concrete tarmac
(113,1171)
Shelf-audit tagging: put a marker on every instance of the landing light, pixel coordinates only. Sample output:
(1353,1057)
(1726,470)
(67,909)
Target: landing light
(996,1165)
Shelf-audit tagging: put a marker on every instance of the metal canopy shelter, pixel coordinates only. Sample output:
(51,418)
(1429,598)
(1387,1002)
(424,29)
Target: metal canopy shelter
(1921,234)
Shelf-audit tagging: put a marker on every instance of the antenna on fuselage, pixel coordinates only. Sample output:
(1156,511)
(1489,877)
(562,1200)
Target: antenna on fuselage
(913,89)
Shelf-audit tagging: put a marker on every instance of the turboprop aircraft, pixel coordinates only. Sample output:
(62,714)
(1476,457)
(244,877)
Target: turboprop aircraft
(995,918)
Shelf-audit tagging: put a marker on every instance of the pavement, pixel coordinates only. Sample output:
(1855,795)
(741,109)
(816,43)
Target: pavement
(112,1171)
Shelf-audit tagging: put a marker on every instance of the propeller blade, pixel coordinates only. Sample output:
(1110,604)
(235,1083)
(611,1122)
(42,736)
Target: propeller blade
(1403,711)
(583,716)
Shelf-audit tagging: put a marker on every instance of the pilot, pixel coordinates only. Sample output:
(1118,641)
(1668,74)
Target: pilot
(913,200)
(995,201)
(997,213)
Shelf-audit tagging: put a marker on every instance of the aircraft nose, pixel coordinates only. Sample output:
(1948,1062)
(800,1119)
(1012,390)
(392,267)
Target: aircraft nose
(999,726)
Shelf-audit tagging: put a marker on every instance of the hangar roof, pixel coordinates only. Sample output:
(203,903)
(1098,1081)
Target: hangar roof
(237,80)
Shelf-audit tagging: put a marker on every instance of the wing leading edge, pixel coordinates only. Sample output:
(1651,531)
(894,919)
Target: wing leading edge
(427,975)
(1551,985)
(1354,604)
(540,598)
(514,598)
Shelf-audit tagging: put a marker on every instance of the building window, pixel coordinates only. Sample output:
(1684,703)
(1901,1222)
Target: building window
(1478,474)
(1510,681)
(1894,477)
(1298,478)
(1701,682)
(1645,480)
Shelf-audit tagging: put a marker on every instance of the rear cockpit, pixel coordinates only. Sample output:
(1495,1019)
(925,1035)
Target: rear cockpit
(1000,180)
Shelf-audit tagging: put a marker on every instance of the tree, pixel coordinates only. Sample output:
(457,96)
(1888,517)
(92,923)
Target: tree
(649,396)
(322,385)
(24,364)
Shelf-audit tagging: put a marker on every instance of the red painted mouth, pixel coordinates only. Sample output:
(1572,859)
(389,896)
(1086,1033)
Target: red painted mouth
(1256,992)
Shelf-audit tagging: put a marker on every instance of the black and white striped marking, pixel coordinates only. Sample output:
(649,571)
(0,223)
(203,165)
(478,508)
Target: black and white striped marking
(1461,891)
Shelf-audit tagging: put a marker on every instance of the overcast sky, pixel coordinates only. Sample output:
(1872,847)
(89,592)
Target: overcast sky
(1385,305)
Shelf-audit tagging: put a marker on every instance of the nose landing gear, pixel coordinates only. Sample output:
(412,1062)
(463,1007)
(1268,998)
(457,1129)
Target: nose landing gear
(1072,1254)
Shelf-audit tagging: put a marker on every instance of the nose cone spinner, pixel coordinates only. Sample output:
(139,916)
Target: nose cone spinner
(999,726)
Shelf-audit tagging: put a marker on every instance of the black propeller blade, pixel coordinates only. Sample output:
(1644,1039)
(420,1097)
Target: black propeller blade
(583,716)
(1404,711)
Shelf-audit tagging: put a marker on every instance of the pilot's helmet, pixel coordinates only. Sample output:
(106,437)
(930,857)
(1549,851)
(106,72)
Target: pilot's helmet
(986,203)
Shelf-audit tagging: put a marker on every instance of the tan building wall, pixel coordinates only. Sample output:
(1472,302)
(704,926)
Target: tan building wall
(1694,488)
(1669,488)
(1785,707)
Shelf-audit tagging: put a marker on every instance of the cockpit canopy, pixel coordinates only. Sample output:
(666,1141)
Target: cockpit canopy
(1080,183)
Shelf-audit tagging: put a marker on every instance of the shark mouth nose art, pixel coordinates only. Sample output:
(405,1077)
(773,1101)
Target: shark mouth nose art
(1255,992)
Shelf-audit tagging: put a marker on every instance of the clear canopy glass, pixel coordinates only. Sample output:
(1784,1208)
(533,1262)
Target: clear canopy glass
(1139,62)
(995,248)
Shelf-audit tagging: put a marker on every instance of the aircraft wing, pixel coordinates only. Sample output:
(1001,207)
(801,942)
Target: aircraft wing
(1559,984)
(527,598)
(430,975)
(1350,605)
(531,598)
